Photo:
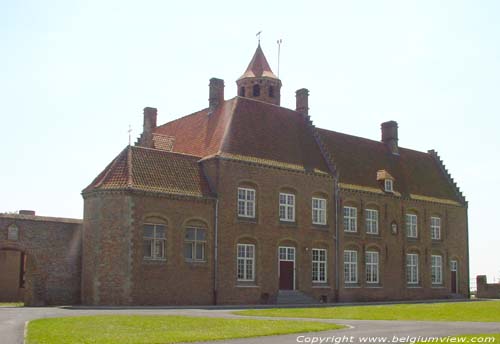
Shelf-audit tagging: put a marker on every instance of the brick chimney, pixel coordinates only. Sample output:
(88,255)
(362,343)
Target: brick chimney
(150,115)
(27,212)
(302,101)
(390,136)
(215,94)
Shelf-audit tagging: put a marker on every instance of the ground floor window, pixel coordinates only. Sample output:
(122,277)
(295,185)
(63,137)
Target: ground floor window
(246,262)
(372,267)
(154,238)
(436,269)
(412,268)
(350,266)
(194,244)
(319,265)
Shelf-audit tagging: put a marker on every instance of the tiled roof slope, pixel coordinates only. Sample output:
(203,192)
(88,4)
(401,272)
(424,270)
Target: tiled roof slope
(145,169)
(358,160)
(247,127)
(258,66)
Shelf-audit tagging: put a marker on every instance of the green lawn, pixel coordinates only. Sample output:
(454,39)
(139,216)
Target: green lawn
(122,329)
(446,311)
(11,304)
(476,338)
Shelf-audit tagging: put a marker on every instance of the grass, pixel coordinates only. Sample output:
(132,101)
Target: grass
(487,338)
(11,304)
(122,329)
(488,311)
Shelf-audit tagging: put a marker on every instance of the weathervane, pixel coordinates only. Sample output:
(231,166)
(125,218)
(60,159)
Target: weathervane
(279,41)
(258,35)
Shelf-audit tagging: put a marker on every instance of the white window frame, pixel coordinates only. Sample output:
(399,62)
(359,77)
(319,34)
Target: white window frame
(247,257)
(350,266)
(436,269)
(156,241)
(196,242)
(411,225)
(412,274)
(246,202)
(319,265)
(372,267)
(435,228)
(287,207)
(350,215)
(388,185)
(371,221)
(318,211)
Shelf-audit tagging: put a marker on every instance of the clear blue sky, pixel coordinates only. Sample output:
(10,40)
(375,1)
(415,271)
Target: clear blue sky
(75,74)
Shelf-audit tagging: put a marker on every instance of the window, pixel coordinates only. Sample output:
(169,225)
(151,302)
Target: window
(436,269)
(154,241)
(371,260)
(246,202)
(435,228)
(371,221)
(246,262)
(256,90)
(13,233)
(350,266)
(287,207)
(412,268)
(271,91)
(319,211)
(242,91)
(319,265)
(194,244)
(350,219)
(388,185)
(411,225)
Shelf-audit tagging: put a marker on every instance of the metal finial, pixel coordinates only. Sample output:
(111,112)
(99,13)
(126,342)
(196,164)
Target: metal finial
(129,134)
(279,41)
(258,35)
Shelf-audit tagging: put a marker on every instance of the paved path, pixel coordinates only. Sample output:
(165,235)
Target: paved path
(12,322)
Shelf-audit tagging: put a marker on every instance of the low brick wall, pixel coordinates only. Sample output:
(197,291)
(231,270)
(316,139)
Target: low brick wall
(487,290)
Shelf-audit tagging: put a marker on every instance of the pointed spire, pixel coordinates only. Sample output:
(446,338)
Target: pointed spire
(258,67)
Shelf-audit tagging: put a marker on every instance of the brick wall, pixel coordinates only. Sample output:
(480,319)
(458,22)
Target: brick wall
(487,290)
(53,250)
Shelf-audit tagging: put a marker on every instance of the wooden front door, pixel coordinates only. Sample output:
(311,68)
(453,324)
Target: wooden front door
(454,268)
(286,268)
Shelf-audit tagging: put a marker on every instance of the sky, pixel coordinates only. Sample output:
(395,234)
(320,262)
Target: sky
(74,75)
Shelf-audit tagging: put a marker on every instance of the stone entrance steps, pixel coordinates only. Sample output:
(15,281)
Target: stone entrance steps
(294,297)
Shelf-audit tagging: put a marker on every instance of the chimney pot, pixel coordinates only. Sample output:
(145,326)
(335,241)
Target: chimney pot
(215,94)
(302,101)
(390,136)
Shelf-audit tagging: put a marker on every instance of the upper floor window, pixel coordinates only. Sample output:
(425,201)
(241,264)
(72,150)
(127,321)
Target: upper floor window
(256,90)
(350,266)
(371,221)
(13,233)
(319,211)
(350,219)
(372,266)
(154,236)
(246,202)
(195,244)
(318,265)
(412,268)
(245,262)
(287,207)
(271,91)
(242,91)
(435,228)
(411,226)
(388,185)
(436,269)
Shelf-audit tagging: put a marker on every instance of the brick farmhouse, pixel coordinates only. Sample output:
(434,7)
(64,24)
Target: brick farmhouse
(248,202)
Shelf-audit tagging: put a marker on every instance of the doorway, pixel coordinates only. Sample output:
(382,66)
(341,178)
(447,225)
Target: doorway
(12,270)
(286,268)
(454,276)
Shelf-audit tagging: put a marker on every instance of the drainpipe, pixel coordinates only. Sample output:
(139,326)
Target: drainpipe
(337,203)
(216,247)
(467,243)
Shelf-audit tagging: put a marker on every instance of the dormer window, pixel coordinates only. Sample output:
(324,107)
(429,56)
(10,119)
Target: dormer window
(386,180)
(388,185)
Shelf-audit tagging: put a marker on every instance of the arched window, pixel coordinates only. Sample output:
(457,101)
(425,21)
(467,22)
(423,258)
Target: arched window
(372,266)
(271,91)
(350,266)
(195,241)
(242,91)
(154,235)
(256,90)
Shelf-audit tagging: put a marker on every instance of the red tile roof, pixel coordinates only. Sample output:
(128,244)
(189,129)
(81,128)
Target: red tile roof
(145,169)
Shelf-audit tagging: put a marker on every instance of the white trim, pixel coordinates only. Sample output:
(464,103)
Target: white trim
(153,241)
(352,264)
(350,217)
(411,222)
(319,263)
(320,211)
(412,273)
(435,228)
(371,222)
(245,259)
(373,265)
(388,185)
(247,192)
(436,269)
(289,203)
